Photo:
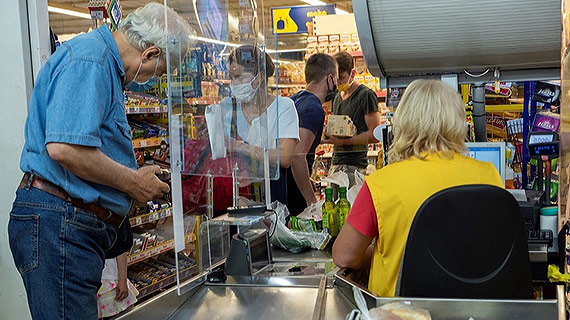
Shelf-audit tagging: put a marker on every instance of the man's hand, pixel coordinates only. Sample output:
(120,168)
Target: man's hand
(147,186)
(336,140)
(237,147)
(122,290)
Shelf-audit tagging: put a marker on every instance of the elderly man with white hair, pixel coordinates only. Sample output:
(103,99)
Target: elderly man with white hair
(80,172)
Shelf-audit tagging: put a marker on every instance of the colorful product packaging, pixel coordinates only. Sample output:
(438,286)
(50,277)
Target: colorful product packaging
(546,122)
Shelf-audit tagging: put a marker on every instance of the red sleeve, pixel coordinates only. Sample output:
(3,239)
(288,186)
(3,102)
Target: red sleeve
(362,215)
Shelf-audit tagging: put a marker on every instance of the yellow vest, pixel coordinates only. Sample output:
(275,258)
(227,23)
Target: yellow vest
(398,190)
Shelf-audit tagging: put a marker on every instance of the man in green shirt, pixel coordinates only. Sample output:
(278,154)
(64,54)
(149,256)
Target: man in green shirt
(361,104)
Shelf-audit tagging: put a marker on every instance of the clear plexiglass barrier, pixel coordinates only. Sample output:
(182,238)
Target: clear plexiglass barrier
(224,125)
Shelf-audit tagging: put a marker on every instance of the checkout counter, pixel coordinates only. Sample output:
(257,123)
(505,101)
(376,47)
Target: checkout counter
(305,285)
(306,297)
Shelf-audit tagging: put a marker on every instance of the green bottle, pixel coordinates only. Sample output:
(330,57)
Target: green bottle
(343,207)
(329,212)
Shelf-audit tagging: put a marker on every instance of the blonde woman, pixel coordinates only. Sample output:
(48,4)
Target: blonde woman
(426,157)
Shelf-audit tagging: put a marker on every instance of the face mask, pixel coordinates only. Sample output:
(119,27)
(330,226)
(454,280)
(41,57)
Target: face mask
(345,86)
(142,86)
(331,93)
(243,92)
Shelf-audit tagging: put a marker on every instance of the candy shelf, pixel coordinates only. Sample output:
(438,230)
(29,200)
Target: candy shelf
(151,252)
(370,154)
(288,85)
(148,142)
(150,217)
(221,81)
(203,100)
(143,109)
(150,289)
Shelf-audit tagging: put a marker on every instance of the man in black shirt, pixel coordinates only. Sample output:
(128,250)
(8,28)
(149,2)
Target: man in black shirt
(361,105)
(321,75)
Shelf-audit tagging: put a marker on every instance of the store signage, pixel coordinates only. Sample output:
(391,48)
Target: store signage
(296,19)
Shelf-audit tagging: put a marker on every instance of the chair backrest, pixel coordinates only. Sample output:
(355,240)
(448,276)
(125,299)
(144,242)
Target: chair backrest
(467,242)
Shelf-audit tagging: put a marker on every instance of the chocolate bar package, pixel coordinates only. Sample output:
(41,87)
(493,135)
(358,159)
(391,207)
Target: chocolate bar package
(547,93)
(546,122)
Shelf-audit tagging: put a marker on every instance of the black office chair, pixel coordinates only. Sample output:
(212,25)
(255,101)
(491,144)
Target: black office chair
(467,242)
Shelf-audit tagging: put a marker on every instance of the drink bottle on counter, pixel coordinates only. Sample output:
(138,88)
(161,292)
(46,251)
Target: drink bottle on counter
(343,207)
(330,216)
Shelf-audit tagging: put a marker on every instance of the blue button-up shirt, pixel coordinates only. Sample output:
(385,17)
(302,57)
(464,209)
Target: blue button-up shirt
(78,99)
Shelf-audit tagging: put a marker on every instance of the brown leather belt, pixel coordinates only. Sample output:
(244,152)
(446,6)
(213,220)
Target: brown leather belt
(103,214)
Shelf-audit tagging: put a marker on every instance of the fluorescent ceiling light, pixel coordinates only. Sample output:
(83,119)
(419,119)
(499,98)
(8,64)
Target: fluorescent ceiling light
(231,44)
(69,12)
(322,3)
(286,50)
(315,2)
(209,40)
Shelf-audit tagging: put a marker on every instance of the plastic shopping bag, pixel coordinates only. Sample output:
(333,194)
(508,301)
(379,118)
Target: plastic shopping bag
(353,191)
(294,241)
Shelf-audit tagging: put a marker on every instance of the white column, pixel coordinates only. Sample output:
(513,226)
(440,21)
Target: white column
(15,87)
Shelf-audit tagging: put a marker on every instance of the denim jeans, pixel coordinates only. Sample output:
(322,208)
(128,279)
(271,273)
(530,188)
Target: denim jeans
(59,251)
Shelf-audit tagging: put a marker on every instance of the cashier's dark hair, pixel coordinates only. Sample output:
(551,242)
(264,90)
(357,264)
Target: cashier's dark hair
(319,66)
(250,58)
(345,62)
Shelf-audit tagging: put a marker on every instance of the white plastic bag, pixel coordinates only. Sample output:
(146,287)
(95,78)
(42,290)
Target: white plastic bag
(313,211)
(353,191)
(339,178)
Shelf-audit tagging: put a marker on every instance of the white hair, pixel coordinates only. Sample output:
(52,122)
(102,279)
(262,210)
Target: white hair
(146,27)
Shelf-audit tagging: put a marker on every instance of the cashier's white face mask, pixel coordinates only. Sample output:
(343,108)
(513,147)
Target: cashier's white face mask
(244,92)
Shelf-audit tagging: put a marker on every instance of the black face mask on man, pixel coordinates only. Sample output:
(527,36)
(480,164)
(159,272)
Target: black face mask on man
(330,93)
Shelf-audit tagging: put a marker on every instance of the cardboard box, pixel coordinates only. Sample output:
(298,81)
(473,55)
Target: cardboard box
(323,47)
(345,42)
(312,47)
(340,126)
(333,47)
(355,43)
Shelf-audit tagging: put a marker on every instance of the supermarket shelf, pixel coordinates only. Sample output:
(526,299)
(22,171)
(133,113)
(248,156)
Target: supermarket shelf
(328,155)
(288,85)
(150,289)
(504,108)
(151,252)
(203,100)
(381,93)
(148,142)
(142,109)
(150,217)
(356,54)
(222,81)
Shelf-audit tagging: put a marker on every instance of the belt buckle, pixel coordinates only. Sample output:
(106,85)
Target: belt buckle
(108,216)
(122,221)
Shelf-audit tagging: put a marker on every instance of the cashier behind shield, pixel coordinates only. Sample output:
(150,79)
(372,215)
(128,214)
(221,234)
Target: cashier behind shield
(426,156)
(252,117)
